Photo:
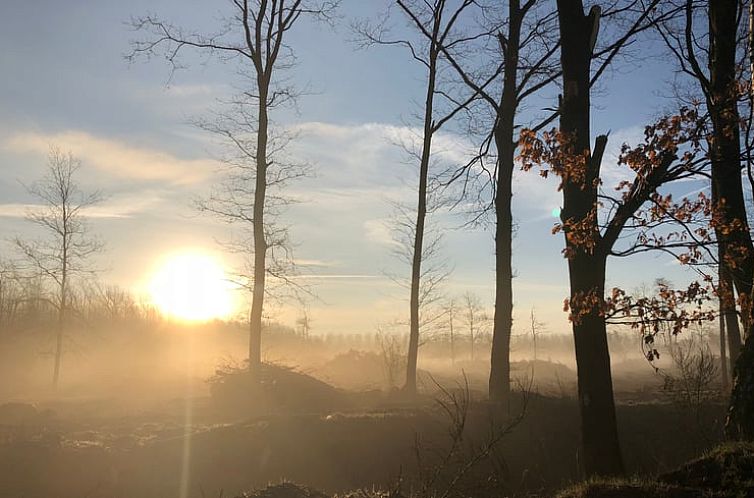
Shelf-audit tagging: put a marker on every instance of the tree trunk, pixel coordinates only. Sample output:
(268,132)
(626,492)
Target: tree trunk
(471,334)
(499,385)
(421,214)
(732,329)
(452,339)
(63,305)
(722,316)
(260,243)
(740,423)
(732,229)
(599,432)
(58,346)
(586,259)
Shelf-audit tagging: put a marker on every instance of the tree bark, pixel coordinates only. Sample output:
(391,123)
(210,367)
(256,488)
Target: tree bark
(421,212)
(732,229)
(732,329)
(740,423)
(63,304)
(451,311)
(587,261)
(722,316)
(60,331)
(599,432)
(260,243)
(499,384)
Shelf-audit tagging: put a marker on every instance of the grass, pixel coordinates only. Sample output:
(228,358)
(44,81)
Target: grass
(724,472)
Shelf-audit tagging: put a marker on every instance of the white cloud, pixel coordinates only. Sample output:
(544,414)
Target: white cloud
(318,263)
(117,159)
(193,91)
(378,231)
(612,173)
(120,206)
(374,152)
(346,276)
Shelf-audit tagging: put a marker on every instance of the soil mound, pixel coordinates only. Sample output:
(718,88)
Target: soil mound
(284,490)
(728,468)
(354,370)
(726,472)
(277,389)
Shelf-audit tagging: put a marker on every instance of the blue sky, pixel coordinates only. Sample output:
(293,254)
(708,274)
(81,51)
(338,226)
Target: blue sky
(65,81)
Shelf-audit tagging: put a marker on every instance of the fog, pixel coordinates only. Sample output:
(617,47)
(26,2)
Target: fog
(138,390)
(150,358)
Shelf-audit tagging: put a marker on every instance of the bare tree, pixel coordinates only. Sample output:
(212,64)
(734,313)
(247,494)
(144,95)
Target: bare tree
(475,318)
(436,23)
(451,311)
(254,36)
(393,356)
(64,252)
(427,291)
(304,322)
(520,47)
(11,295)
(536,328)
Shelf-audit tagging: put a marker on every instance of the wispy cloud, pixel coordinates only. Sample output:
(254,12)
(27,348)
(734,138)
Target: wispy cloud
(123,206)
(116,158)
(314,263)
(378,231)
(338,277)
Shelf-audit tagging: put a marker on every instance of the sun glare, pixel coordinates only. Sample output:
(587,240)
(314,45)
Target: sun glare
(192,287)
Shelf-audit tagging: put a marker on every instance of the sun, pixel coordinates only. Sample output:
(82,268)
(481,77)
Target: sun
(192,287)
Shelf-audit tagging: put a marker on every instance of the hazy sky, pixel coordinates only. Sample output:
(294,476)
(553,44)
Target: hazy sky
(64,81)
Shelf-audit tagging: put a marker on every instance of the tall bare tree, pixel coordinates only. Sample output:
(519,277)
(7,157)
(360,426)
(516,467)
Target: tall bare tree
(435,22)
(254,36)
(65,250)
(519,47)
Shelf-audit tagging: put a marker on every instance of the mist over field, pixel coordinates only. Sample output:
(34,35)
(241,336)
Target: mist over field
(377,249)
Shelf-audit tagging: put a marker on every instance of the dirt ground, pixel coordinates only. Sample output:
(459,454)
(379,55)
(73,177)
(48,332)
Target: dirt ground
(198,447)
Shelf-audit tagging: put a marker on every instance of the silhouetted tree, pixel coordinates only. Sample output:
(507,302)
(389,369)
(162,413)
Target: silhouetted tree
(710,43)
(435,23)
(519,46)
(670,152)
(520,63)
(304,322)
(451,312)
(723,344)
(254,35)
(475,318)
(64,251)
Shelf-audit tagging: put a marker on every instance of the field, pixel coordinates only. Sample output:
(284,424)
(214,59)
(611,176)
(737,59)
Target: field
(333,424)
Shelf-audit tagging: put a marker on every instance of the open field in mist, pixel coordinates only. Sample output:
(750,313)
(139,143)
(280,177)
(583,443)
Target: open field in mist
(130,410)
